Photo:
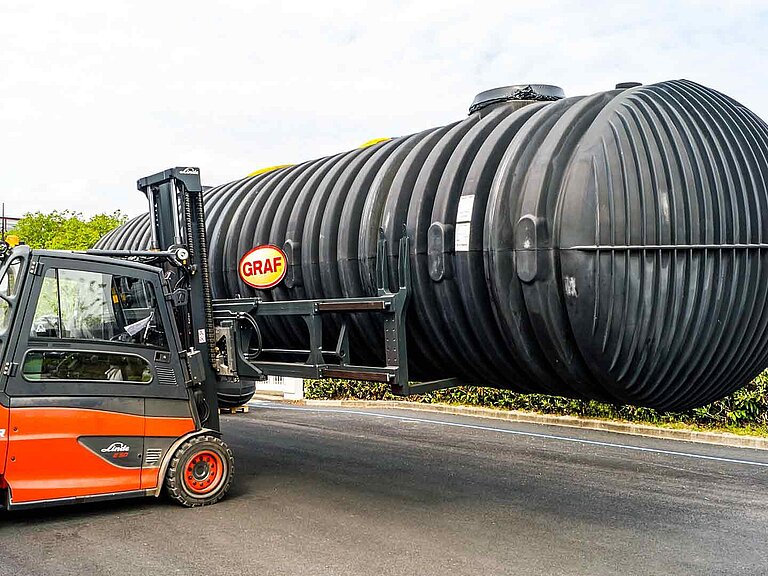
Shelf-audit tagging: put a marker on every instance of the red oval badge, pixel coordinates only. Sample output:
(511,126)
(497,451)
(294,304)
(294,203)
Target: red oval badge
(263,267)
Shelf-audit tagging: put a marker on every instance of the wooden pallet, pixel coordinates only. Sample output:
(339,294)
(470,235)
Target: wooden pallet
(238,410)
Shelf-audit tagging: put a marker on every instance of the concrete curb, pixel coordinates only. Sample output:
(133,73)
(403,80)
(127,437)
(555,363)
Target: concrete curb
(721,438)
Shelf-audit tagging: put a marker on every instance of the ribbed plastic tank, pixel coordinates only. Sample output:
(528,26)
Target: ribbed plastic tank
(607,247)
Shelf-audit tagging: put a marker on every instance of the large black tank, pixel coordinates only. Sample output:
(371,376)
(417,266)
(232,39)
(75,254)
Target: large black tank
(610,246)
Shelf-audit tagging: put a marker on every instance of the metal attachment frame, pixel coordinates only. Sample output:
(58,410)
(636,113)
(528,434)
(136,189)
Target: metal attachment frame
(241,315)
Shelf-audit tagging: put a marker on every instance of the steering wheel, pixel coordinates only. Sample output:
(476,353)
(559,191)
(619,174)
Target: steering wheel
(66,365)
(121,337)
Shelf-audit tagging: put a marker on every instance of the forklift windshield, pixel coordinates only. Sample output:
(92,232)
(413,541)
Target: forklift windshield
(86,305)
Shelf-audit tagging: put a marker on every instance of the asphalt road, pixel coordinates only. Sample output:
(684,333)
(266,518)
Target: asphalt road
(347,492)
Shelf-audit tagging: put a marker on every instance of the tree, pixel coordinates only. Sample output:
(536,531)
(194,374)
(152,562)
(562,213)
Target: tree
(65,230)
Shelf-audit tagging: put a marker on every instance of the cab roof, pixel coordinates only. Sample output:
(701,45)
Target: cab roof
(78,256)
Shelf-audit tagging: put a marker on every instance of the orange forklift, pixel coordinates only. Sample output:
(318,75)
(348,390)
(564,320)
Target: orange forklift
(113,362)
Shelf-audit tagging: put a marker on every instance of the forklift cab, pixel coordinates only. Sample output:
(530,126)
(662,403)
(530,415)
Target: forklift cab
(93,394)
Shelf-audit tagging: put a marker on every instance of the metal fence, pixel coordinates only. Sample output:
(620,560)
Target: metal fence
(290,388)
(6,222)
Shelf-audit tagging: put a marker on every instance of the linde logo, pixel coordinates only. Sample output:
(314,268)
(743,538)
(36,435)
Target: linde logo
(189,171)
(2,432)
(116,447)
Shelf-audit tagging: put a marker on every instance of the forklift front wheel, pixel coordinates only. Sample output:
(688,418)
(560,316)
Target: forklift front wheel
(200,472)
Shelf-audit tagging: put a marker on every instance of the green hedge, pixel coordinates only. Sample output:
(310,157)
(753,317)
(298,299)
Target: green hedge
(744,411)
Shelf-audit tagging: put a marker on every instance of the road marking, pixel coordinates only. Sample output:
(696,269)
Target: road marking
(266,404)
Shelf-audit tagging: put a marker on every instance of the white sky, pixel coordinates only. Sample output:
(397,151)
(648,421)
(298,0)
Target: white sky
(94,95)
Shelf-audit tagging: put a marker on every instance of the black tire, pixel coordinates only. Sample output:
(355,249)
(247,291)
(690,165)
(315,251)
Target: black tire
(200,472)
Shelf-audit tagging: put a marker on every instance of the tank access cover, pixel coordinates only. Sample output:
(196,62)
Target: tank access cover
(535,92)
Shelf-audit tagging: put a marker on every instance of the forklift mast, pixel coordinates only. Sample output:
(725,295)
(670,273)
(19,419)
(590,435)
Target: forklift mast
(177,225)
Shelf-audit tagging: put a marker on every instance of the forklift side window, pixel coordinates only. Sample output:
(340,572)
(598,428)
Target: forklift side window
(86,305)
(8,286)
(85,366)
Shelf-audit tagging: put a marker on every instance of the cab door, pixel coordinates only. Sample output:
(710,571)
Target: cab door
(11,275)
(85,361)
(4,417)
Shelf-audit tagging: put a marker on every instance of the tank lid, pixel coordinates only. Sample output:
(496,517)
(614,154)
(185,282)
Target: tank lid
(627,85)
(535,92)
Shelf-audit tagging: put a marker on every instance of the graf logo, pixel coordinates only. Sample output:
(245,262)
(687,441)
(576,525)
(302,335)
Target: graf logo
(189,171)
(263,267)
(116,447)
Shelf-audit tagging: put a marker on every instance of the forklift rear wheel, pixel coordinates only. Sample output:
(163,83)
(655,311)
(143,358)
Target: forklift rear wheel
(200,472)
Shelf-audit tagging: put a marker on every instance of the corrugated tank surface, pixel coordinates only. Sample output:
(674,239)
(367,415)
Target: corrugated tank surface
(609,246)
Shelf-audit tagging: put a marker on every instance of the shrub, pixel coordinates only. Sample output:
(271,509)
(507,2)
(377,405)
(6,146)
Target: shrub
(746,408)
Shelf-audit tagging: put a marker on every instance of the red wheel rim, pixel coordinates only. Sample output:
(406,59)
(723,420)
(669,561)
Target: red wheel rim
(203,472)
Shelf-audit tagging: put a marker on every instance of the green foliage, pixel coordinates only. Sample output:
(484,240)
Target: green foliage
(746,408)
(333,389)
(65,230)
